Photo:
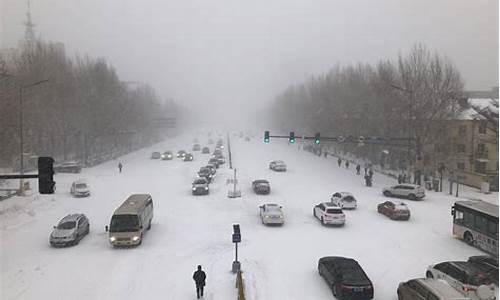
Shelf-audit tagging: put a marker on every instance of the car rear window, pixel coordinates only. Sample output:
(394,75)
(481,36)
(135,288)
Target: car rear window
(348,199)
(67,225)
(334,211)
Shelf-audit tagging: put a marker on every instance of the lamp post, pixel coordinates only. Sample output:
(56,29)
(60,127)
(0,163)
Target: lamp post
(21,135)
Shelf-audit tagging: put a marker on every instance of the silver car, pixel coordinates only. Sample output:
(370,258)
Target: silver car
(272,214)
(345,200)
(405,190)
(70,230)
(428,288)
(277,165)
(80,188)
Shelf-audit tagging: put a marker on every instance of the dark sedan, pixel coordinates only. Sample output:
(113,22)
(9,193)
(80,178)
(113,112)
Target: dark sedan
(346,278)
(261,186)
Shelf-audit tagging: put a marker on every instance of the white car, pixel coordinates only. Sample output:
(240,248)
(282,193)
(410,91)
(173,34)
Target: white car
(277,165)
(345,200)
(405,190)
(329,213)
(80,188)
(271,214)
(465,277)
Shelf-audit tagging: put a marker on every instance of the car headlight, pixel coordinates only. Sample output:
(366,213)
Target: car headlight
(194,189)
(135,238)
(281,217)
(112,239)
(266,216)
(206,188)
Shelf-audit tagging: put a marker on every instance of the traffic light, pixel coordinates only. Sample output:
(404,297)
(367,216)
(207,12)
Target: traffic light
(266,136)
(291,139)
(316,138)
(46,182)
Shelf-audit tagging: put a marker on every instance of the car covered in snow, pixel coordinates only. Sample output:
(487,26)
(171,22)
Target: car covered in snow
(181,153)
(205,150)
(277,165)
(346,278)
(70,230)
(329,213)
(405,190)
(167,155)
(68,167)
(345,200)
(80,188)
(427,288)
(214,161)
(196,147)
(488,264)
(261,186)
(272,214)
(394,210)
(200,186)
(212,168)
(206,173)
(466,277)
(155,155)
(188,157)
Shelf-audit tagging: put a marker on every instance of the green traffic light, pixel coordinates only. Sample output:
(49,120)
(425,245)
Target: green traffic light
(292,141)
(317,142)
(266,141)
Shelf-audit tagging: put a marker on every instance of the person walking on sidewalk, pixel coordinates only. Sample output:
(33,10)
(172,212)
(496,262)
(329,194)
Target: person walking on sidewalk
(358,168)
(339,161)
(199,277)
(120,166)
(347,164)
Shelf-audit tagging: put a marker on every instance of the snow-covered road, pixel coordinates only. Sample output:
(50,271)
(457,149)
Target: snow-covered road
(278,262)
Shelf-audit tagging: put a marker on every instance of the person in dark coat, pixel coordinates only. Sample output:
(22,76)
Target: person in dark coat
(400,178)
(358,168)
(326,154)
(370,173)
(339,161)
(199,279)
(347,164)
(120,166)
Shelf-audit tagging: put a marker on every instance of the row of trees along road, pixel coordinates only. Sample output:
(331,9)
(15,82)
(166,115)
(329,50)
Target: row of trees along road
(83,111)
(406,98)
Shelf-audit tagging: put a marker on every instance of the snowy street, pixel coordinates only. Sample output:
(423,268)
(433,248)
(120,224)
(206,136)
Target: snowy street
(277,262)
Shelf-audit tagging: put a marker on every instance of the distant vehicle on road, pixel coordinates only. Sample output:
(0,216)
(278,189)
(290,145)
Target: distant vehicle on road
(188,157)
(488,264)
(329,213)
(167,155)
(196,147)
(131,220)
(345,200)
(70,230)
(465,277)
(205,150)
(427,289)
(277,165)
(394,210)
(345,278)
(155,155)
(206,172)
(261,186)
(272,214)
(212,168)
(181,153)
(200,186)
(80,188)
(68,167)
(215,162)
(405,190)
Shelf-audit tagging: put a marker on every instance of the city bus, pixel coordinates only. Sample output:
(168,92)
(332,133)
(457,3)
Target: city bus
(476,222)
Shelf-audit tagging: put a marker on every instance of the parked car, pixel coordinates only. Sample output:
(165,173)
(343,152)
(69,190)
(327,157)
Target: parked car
(200,186)
(80,188)
(221,160)
(155,155)
(261,186)
(345,278)
(70,230)
(329,213)
(277,165)
(345,200)
(465,277)
(205,150)
(206,172)
(405,190)
(215,162)
(167,155)
(272,214)
(488,264)
(394,210)
(181,153)
(68,167)
(188,157)
(196,147)
(427,289)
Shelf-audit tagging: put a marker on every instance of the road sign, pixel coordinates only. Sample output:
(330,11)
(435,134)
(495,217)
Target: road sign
(236,238)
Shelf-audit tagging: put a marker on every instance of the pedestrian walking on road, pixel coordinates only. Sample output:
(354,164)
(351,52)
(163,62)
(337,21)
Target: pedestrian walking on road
(347,164)
(120,166)
(199,279)
(370,173)
(358,168)
(326,154)
(400,178)
(339,161)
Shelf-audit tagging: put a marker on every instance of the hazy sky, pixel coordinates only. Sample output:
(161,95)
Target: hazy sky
(239,54)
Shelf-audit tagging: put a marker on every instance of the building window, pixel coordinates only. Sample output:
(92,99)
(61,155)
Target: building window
(461,166)
(462,129)
(461,148)
(482,127)
(481,148)
(480,167)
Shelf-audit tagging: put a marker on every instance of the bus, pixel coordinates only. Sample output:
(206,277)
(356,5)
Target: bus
(476,222)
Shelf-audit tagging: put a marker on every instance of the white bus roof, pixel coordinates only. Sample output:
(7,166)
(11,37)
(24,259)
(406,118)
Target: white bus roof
(133,204)
(481,206)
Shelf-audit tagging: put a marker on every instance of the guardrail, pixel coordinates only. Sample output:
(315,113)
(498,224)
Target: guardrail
(240,285)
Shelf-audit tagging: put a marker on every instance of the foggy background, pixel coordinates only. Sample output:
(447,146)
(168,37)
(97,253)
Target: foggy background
(231,55)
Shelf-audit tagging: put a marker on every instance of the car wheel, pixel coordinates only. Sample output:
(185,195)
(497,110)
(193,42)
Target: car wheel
(322,221)
(314,213)
(468,238)
(88,229)
(387,194)
(412,197)
(334,290)
(149,225)
(428,274)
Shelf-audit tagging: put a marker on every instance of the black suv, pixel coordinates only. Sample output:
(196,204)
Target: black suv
(345,277)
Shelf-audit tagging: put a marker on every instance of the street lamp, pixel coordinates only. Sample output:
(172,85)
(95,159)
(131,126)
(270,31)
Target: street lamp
(21,135)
